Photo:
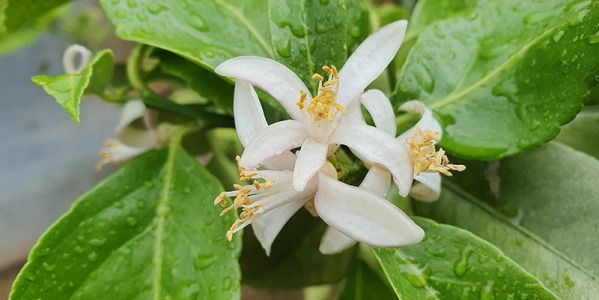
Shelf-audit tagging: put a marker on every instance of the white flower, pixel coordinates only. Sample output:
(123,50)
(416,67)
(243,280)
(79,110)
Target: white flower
(317,124)
(271,199)
(419,140)
(136,134)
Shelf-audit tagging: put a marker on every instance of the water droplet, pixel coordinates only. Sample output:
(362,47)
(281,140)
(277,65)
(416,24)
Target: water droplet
(93,256)
(142,17)
(198,23)
(163,210)
(148,184)
(141,204)
(594,39)
(155,8)
(121,14)
(97,241)
(227,282)
(284,47)
(48,267)
(131,221)
(437,252)
(213,288)
(278,151)
(204,261)
(483,259)
(208,53)
(114,2)
(132,3)
(577,18)
(79,249)
(558,36)
(355,30)
(487,292)
(596,77)
(461,265)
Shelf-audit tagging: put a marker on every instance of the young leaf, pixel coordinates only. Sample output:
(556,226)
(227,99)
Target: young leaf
(581,133)
(362,282)
(150,231)
(68,89)
(558,272)
(294,261)
(507,75)
(452,263)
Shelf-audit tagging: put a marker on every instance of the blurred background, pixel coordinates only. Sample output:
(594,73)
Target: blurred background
(46,160)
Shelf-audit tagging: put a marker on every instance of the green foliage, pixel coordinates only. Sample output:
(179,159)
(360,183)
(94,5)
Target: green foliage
(294,261)
(452,263)
(581,133)
(505,76)
(17,14)
(69,88)
(362,283)
(150,231)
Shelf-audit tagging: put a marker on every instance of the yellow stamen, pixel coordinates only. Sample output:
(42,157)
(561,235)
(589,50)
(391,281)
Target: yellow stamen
(426,158)
(324,104)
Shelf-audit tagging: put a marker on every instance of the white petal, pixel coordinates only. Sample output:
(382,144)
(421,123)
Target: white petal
(369,60)
(377,146)
(310,160)
(284,161)
(267,227)
(427,122)
(136,137)
(428,188)
(364,216)
(249,116)
(353,115)
(379,107)
(377,181)
(270,76)
(273,141)
(334,241)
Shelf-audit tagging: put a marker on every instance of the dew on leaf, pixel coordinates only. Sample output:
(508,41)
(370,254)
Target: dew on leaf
(204,261)
(227,282)
(461,264)
(79,249)
(155,8)
(97,241)
(594,39)
(93,256)
(142,17)
(198,23)
(48,267)
(114,2)
(284,47)
(487,292)
(163,210)
(558,36)
(132,3)
(131,221)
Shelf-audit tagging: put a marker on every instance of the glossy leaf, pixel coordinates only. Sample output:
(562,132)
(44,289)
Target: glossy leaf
(452,263)
(16,14)
(581,133)
(427,12)
(505,76)
(68,89)
(295,260)
(362,283)
(559,273)
(150,231)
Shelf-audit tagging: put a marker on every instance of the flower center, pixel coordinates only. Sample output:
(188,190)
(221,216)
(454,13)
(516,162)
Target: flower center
(323,106)
(426,158)
(242,199)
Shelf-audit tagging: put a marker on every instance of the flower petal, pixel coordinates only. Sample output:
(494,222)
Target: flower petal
(136,137)
(249,116)
(379,107)
(270,76)
(267,227)
(428,188)
(334,241)
(273,141)
(377,146)
(427,122)
(369,60)
(364,216)
(377,181)
(310,160)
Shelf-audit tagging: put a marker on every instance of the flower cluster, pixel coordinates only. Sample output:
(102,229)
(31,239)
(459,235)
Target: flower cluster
(280,182)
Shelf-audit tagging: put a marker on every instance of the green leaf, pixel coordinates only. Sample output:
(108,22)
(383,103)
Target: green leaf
(452,263)
(200,80)
(295,260)
(559,273)
(581,133)
(507,75)
(362,282)
(69,88)
(16,14)
(150,231)
(427,12)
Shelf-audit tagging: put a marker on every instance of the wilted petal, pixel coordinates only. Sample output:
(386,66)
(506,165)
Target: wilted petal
(377,181)
(310,160)
(379,107)
(270,76)
(273,141)
(334,241)
(267,227)
(249,116)
(369,60)
(136,137)
(427,122)
(377,146)
(364,216)
(428,188)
